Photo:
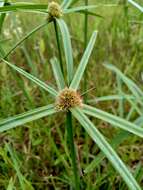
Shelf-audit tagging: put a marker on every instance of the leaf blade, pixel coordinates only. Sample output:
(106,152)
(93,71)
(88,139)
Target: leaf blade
(26,117)
(58,73)
(106,148)
(24,38)
(136,91)
(23,6)
(114,120)
(43,85)
(81,8)
(67,48)
(81,68)
(136,5)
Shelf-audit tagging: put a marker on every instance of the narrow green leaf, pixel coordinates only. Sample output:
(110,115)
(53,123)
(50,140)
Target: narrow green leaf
(67,48)
(58,73)
(26,117)
(111,98)
(24,38)
(23,6)
(136,5)
(43,85)
(83,8)
(113,120)
(66,3)
(77,9)
(2,16)
(115,142)
(74,2)
(24,184)
(90,13)
(16,166)
(106,148)
(11,184)
(81,68)
(136,91)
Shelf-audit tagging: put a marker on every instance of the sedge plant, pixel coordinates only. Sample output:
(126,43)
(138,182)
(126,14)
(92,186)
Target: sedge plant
(66,99)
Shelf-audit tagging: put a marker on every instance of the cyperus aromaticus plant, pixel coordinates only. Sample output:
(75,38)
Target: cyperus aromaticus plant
(53,10)
(67,100)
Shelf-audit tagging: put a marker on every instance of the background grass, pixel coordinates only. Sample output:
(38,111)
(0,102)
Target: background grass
(39,148)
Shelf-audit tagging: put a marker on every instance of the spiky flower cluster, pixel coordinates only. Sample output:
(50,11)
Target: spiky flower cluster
(54,10)
(67,99)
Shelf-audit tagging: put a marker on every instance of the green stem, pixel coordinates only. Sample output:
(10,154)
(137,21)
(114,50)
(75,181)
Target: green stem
(69,121)
(85,44)
(72,148)
(58,44)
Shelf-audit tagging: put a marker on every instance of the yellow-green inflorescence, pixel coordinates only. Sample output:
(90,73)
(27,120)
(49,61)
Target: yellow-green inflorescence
(68,98)
(54,10)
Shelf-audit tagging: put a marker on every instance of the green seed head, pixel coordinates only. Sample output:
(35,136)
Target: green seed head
(54,10)
(68,98)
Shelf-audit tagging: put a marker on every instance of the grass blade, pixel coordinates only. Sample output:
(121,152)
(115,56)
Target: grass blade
(111,98)
(11,184)
(77,9)
(67,48)
(106,148)
(85,8)
(26,117)
(15,163)
(136,5)
(2,16)
(136,91)
(90,13)
(113,120)
(24,38)
(81,68)
(58,73)
(66,4)
(43,85)
(115,142)
(23,6)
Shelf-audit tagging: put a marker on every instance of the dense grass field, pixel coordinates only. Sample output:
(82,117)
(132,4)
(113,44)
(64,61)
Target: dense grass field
(41,154)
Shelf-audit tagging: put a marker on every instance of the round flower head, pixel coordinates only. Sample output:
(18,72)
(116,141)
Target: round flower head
(54,10)
(68,98)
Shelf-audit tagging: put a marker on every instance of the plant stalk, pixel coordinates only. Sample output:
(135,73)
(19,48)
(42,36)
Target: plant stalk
(73,152)
(68,121)
(85,44)
(58,44)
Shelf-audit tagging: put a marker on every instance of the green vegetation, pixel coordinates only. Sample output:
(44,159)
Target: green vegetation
(71,95)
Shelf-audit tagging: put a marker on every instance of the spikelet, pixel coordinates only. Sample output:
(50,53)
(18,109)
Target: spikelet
(54,11)
(68,98)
